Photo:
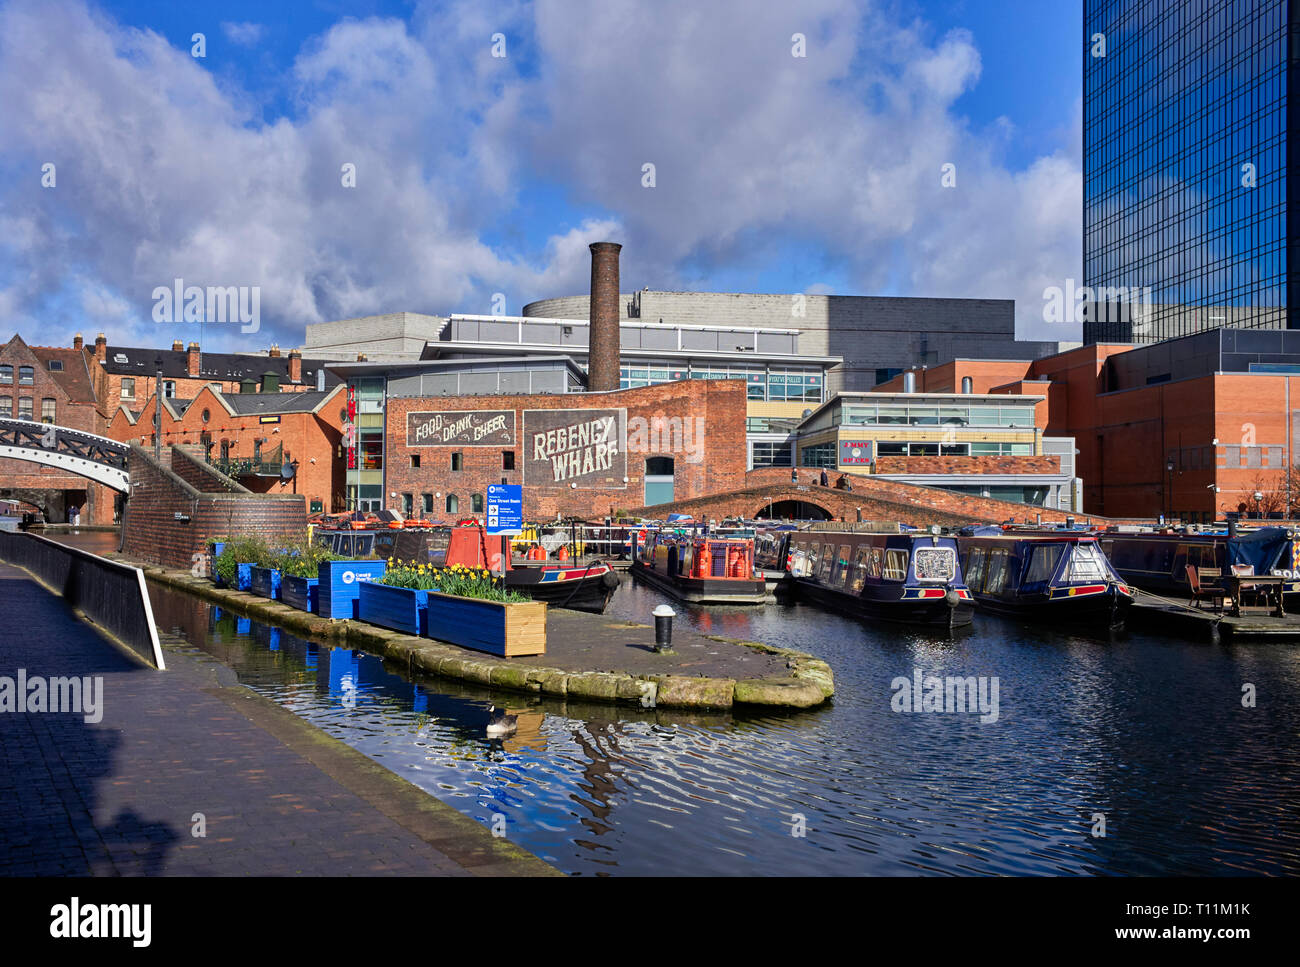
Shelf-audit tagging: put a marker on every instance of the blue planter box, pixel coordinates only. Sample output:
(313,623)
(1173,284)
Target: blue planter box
(401,609)
(214,553)
(340,582)
(244,577)
(266,582)
(299,592)
(511,630)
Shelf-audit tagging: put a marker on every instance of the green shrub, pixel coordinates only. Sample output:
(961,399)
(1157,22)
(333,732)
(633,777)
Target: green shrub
(302,560)
(241,550)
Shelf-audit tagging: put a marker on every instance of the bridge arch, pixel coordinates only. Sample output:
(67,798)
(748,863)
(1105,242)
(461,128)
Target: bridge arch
(87,455)
(791,508)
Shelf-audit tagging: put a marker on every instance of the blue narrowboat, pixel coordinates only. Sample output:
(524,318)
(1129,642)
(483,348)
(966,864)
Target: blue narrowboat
(1060,577)
(913,578)
(1158,561)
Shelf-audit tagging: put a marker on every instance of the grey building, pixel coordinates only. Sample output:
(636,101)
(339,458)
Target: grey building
(874,337)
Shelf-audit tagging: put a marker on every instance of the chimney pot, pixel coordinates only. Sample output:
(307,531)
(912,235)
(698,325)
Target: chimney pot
(77,341)
(177,346)
(602,330)
(274,352)
(101,347)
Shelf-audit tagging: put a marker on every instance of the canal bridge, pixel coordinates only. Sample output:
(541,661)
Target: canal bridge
(85,454)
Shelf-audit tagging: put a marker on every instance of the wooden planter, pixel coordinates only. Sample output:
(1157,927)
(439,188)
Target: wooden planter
(299,592)
(340,581)
(266,582)
(401,609)
(509,630)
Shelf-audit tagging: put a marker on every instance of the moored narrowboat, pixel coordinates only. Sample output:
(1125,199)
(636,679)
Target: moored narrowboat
(912,578)
(701,569)
(1158,561)
(1061,577)
(581,587)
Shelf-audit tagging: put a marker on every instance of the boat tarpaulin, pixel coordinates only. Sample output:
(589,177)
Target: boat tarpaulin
(1260,549)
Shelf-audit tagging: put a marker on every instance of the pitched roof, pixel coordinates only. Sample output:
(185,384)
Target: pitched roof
(252,404)
(141,361)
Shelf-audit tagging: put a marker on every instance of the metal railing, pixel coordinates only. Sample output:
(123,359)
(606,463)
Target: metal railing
(109,594)
(266,464)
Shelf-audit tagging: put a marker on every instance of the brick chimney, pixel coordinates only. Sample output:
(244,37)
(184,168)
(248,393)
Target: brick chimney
(274,351)
(295,366)
(192,360)
(77,341)
(602,332)
(101,347)
(178,346)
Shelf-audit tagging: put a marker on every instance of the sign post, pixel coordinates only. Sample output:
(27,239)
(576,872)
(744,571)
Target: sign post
(505,513)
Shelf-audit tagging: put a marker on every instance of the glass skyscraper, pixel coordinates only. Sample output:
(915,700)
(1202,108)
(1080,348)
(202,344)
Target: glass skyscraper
(1187,105)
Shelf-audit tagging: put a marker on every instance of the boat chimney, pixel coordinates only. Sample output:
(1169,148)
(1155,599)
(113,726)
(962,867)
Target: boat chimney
(602,329)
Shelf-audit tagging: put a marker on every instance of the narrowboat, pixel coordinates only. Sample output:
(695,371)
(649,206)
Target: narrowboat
(701,569)
(581,587)
(1157,561)
(1060,577)
(772,559)
(912,578)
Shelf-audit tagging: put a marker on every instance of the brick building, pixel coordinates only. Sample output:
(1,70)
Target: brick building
(251,436)
(51,385)
(579,454)
(1192,428)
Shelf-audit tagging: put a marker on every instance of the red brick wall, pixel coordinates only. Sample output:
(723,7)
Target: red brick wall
(720,403)
(151,532)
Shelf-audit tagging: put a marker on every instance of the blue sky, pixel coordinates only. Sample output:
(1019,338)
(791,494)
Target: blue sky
(478,175)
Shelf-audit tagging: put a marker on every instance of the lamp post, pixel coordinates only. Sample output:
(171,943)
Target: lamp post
(157,409)
(1259,497)
(1169,501)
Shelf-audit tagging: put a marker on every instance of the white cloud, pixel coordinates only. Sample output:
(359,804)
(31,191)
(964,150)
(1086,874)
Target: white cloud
(166,173)
(243,34)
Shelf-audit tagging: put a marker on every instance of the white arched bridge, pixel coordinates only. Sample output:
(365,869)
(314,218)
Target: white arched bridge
(95,457)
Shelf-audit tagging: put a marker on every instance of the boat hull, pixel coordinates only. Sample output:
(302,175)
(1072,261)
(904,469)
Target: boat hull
(931,612)
(1091,609)
(704,590)
(589,590)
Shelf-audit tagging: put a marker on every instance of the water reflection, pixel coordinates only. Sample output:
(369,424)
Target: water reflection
(1148,731)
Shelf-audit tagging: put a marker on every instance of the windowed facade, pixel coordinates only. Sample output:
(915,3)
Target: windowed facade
(128,388)
(6,375)
(169,389)
(453,504)
(365,471)
(24,407)
(770,454)
(819,455)
(47,410)
(26,375)
(769,383)
(6,406)
(1186,167)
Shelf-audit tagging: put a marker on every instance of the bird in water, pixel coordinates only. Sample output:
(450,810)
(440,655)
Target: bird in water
(501,724)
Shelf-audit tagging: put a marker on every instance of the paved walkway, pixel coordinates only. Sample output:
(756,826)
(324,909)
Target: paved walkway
(278,796)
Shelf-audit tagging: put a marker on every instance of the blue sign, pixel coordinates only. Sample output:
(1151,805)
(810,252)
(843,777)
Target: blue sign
(505,509)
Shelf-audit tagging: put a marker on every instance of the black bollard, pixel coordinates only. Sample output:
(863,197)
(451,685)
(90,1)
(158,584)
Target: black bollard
(664,628)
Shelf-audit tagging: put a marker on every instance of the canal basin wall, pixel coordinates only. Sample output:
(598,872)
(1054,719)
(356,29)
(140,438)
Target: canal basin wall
(589,657)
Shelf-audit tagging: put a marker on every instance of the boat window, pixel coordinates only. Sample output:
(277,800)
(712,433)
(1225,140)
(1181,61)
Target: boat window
(1086,564)
(840,575)
(860,569)
(1043,562)
(935,563)
(824,569)
(345,545)
(873,568)
(895,565)
(975,568)
(997,573)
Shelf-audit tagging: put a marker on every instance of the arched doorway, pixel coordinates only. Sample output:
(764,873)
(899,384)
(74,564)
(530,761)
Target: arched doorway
(792,510)
(658,480)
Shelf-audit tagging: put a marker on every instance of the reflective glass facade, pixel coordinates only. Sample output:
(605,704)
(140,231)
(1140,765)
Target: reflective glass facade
(1186,109)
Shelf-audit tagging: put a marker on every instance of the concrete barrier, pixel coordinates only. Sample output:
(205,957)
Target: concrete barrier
(109,594)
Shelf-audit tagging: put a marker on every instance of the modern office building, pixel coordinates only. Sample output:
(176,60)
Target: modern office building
(1188,182)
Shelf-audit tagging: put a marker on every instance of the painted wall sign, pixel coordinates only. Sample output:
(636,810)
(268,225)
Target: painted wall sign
(855,453)
(582,447)
(463,428)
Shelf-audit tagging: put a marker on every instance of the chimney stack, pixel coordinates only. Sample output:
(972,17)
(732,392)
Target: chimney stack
(274,351)
(192,361)
(178,346)
(77,341)
(101,347)
(602,331)
(295,366)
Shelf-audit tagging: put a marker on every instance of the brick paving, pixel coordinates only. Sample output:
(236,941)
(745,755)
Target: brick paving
(279,797)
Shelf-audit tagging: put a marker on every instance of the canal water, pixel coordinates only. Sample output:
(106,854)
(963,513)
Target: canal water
(1153,742)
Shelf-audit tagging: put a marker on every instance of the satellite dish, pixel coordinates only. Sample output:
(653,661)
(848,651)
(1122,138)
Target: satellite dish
(286,471)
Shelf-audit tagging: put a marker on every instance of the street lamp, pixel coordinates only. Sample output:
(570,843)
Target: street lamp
(1169,502)
(1259,497)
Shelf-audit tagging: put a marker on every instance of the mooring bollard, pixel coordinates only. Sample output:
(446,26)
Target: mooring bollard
(664,628)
